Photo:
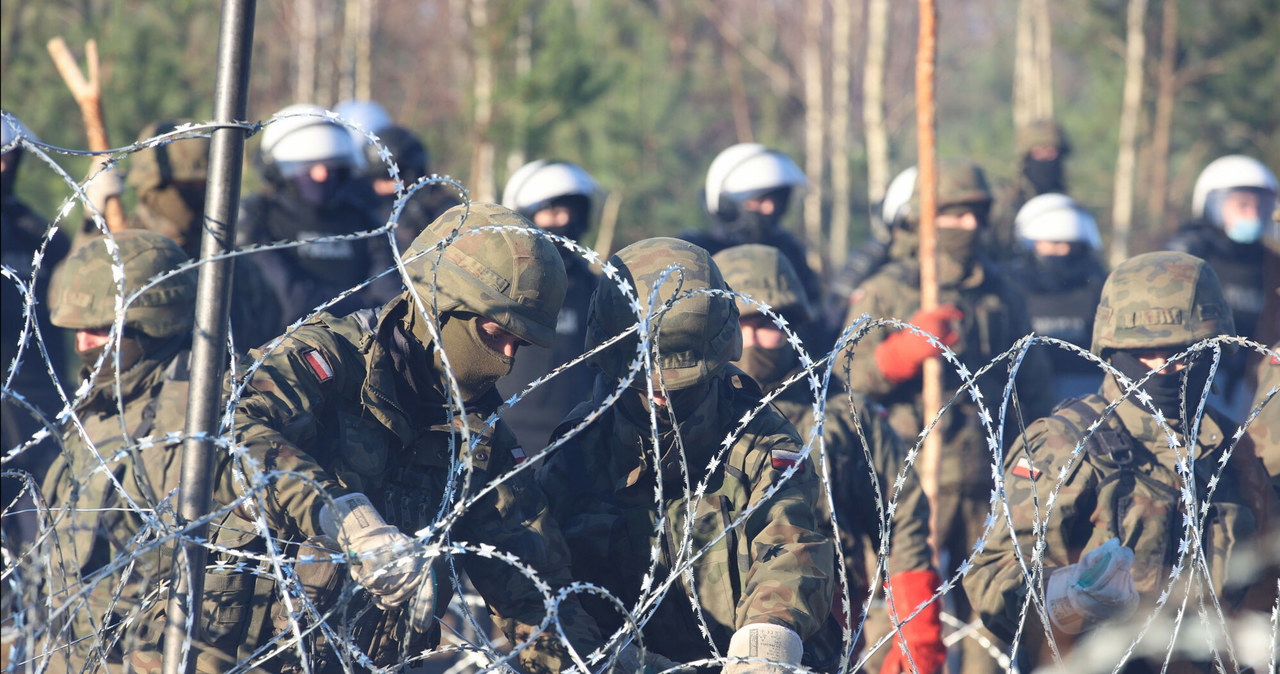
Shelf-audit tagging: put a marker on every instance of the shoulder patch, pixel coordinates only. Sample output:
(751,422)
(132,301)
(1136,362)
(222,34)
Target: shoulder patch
(783,459)
(518,454)
(319,364)
(1025,469)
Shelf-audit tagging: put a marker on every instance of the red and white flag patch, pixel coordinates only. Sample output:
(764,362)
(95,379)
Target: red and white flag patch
(1024,468)
(782,459)
(318,364)
(518,454)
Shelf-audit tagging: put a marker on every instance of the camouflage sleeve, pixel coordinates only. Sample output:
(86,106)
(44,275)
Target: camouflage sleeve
(282,414)
(909,549)
(864,375)
(997,585)
(792,579)
(514,518)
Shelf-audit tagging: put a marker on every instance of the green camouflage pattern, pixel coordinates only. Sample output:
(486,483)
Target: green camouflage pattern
(1264,432)
(766,275)
(94,524)
(1042,133)
(516,280)
(82,294)
(1160,300)
(1131,492)
(960,182)
(776,567)
(362,428)
(693,339)
(182,160)
(855,496)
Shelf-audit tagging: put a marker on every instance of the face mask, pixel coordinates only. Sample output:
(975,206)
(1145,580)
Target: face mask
(768,366)
(476,367)
(1245,231)
(1165,388)
(1045,176)
(1062,272)
(131,351)
(317,193)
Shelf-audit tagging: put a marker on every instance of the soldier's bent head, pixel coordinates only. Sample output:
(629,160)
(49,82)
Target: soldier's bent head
(692,334)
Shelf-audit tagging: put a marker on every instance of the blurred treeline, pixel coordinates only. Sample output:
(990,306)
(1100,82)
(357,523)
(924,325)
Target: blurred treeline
(645,93)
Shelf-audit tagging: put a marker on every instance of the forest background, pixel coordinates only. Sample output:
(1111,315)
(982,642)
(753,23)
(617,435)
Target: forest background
(644,93)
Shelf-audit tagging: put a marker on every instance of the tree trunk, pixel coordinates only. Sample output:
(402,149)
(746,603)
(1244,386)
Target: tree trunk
(814,136)
(482,156)
(326,66)
(841,186)
(1166,91)
(364,52)
(873,103)
(1044,61)
(1122,205)
(347,63)
(524,64)
(1023,66)
(304,86)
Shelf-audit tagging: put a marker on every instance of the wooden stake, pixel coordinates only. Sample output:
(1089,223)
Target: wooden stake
(88,95)
(928,183)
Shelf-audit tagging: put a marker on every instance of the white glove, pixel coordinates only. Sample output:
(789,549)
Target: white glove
(385,563)
(104,185)
(629,661)
(1100,587)
(764,641)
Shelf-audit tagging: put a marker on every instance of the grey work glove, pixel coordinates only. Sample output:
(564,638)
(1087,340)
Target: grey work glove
(384,560)
(1099,587)
(105,184)
(764,641)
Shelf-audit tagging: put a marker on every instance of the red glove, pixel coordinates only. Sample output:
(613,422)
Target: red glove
(924,632)
(901,355)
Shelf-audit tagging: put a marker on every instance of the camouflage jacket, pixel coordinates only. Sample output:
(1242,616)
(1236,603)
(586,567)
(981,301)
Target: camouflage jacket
(1123,485)
(851,417)
(774,567)
(353,404)
(995,316)
(1264,431)
(109,570)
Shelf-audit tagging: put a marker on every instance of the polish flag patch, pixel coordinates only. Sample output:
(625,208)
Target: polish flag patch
(318,364)
(518,454)
(1024,468)
(782,459)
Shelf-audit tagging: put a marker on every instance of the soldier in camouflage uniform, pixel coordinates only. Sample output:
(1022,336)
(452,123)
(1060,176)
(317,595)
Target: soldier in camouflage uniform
(1043,148)
(109,474)
(860,445)
(1265,429)
(761,586)
(170,183)
(980,316)
(1113,538)
(354,433)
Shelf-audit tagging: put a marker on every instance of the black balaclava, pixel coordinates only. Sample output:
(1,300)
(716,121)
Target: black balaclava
(1044,175)
(1063,272)
(1165,387)
(753,226)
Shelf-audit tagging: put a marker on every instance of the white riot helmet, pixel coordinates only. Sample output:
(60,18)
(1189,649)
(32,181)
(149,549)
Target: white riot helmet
(301,135)
(1056,217)
(13,129)
(896,206)
(367,114)
(744,171)
(1229,173)
(537,184)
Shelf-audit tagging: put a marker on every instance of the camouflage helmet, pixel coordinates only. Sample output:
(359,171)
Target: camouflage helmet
(82,294)
(506,276)
(1043,133)
(184,159)
(696,335)
(960,182)
(1160,300)
(766,275)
